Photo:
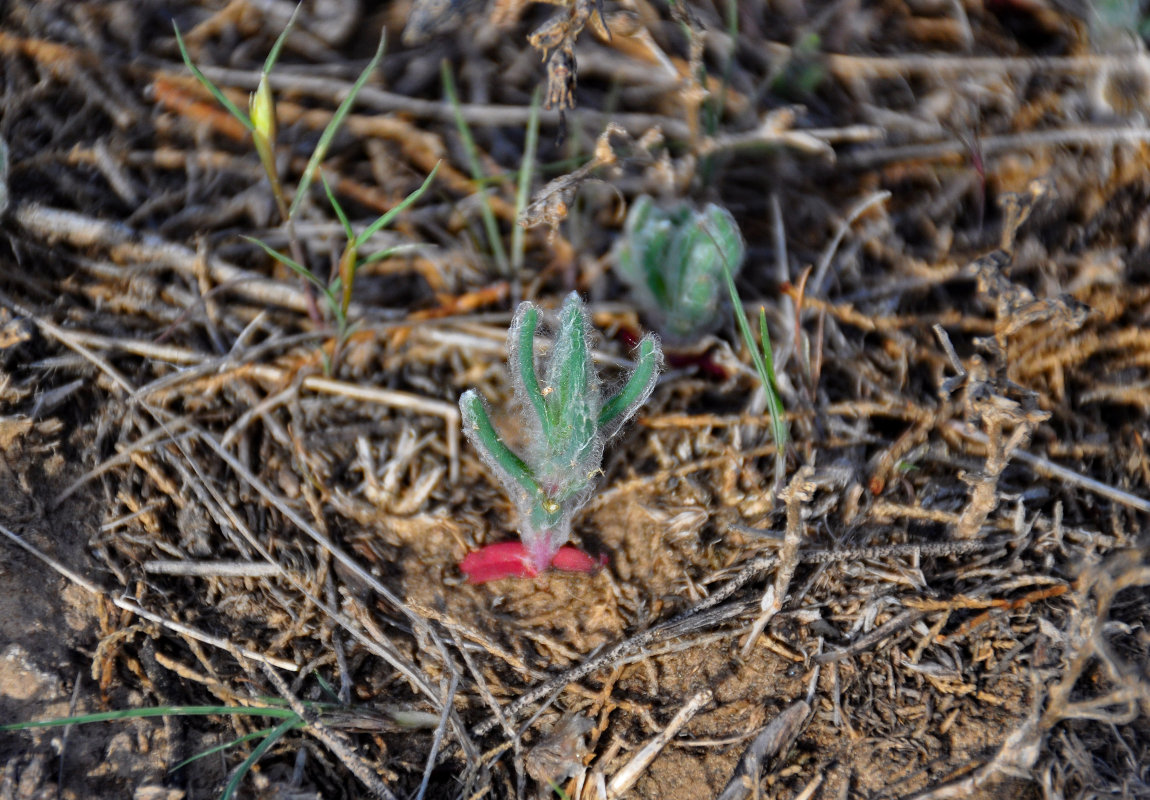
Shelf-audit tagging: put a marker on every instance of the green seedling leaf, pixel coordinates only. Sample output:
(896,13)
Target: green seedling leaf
(333,126)
(221,98)
(573,455)
(671,258)
(386,219)
(569,377)
(521,350)
(477,423)
(638,388)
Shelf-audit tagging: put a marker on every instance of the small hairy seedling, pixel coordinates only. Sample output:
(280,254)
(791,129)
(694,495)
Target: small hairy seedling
(567,423)
(673,261)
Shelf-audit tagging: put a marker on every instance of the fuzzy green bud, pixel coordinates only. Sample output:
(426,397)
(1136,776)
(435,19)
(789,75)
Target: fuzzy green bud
(673,260)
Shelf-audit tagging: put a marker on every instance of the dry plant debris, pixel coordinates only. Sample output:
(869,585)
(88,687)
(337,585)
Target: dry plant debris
(946,213)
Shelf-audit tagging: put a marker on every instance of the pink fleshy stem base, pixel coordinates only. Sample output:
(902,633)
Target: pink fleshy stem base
(510,560)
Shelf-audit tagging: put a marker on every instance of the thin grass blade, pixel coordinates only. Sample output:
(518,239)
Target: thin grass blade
(221,98)
(144,713)
(256,754)
(774,402)
(295,266)
(333,126)
(339,212)
(766,377)
(274,55)
(523,189)
(219,748)
(386,219)
(388,252)
(490,224)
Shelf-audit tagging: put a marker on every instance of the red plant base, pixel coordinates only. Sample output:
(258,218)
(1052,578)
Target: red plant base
(510,560)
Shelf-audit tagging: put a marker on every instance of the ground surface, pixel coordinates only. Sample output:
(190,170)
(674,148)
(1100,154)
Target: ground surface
(940,593)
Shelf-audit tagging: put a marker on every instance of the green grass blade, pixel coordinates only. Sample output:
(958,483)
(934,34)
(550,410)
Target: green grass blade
(296,267)
(386,219)
(333,126)
(326,686)
(338,210)
(744,326)
(490,224)
(3,176)
(765,340)
(388,252)
(523,189)
(766,376)
(225,746)
(211,87)
(160,711)
(249,762)
(558,790)
(774,402)
(274,55)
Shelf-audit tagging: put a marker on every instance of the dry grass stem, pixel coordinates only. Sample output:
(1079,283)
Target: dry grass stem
(771,742)
(625,778)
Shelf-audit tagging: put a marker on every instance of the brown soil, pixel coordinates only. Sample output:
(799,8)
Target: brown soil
(951,570)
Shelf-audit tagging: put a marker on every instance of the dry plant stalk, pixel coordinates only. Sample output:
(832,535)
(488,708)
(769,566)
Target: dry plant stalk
(559,755)
(555,38)
(1016,306)
(1128,694)
(1008,424)
(551,204)
(625,778)
(773,741)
